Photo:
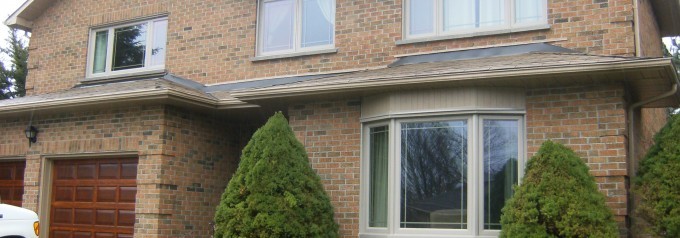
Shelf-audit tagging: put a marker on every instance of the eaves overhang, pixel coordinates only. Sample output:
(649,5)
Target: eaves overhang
(651,74)
(24,16)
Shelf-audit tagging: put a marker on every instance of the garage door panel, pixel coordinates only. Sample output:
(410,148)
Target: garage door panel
(12,182)
(84,194)
(102,200)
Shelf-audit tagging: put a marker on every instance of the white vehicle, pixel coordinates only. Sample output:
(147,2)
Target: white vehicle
(17,222)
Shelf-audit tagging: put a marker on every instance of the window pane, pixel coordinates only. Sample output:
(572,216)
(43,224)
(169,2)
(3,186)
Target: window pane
(378,177)
(434,175)
(459,14)
(491,12)
(129,47)
(277,25)
(100,44)
(318,19)
(501,150)
(529,10)
(421,17)
(160,32)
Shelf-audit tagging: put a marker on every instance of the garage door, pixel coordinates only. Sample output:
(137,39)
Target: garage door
(93,198)
(12,182)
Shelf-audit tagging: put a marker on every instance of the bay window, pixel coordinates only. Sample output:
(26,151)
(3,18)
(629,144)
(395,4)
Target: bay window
(290,26)
(129,48)
(438,18)
(439,176)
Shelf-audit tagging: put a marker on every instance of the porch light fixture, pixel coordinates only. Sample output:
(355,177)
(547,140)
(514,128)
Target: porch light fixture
(31,134)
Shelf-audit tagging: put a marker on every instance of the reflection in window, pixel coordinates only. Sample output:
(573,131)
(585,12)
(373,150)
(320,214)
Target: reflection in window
(434,175)
(129,47)
(500,150)
(378,176)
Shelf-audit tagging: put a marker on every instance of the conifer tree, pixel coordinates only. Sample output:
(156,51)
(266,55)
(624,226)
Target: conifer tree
(557,198)
(275,192)
(13,76)
(658,182)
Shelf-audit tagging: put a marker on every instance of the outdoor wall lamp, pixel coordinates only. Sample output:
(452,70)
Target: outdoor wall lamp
(31,134)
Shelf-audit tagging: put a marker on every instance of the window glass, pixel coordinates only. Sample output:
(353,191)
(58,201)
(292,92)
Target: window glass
(129,47)
(318,18)
(160,32)
(100,44)
(500,150)
(378,177)
(434,175)
(421,14)
(491,12)
(459,14)
(529,10)
(278,19)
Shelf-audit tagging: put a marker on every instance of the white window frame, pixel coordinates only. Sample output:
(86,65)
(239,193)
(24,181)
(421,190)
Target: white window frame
(297,32)
(108,72)
(439,33)
(475,226)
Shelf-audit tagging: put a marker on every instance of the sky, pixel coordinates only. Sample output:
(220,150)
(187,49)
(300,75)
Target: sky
(7,7)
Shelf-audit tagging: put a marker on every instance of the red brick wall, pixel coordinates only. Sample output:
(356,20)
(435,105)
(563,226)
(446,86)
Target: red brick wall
(591,120)
(212,41)
(331,133)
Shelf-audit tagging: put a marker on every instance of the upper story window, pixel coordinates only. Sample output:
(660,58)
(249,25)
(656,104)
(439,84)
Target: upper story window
(291,26)
(129,48)
(436,18)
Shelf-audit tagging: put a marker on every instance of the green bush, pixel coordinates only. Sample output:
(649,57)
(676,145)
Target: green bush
(658,182)
(275,192)
(557,198)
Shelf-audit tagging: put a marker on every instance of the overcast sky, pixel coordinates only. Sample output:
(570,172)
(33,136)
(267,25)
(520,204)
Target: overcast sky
(7,7)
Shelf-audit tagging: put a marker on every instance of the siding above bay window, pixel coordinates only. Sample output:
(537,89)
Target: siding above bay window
(409,103)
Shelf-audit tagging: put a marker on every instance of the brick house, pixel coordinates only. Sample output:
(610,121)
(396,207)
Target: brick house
(418,115)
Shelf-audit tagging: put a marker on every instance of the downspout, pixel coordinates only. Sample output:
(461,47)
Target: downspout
(632,162)
(636,27)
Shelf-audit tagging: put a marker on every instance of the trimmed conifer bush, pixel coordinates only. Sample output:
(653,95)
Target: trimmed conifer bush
(557,198)
(275,192)
(658,182)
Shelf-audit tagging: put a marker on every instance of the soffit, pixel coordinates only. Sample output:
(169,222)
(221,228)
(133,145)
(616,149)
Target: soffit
(667,14)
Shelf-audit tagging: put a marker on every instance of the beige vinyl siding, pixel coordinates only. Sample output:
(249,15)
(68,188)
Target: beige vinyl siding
(442,100)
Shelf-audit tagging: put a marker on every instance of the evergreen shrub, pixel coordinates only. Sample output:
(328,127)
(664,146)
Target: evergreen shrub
(557,198)
(658,182)
(275,192)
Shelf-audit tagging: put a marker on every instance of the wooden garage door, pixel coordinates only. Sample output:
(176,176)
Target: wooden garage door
(93,198)
(12,182)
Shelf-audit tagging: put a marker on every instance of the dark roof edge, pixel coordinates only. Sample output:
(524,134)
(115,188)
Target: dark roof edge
(480,53)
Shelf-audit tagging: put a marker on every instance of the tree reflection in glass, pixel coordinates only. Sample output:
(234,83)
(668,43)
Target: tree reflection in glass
(500,147)
(434,175)
(129,47)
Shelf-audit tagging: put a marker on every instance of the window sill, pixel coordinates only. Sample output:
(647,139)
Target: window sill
(123,76)
(369,235)
(474,34)
(296,54)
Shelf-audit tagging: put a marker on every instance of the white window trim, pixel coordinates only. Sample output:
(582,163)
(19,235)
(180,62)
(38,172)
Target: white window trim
(475,227)
(509,26)
(109,50)
(297,50)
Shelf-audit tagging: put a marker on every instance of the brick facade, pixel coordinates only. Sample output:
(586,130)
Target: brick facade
(185,159)
(331,133)
(213,41)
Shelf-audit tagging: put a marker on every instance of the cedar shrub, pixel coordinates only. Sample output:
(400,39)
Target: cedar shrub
(658,182)
(557,198)
(275,192)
